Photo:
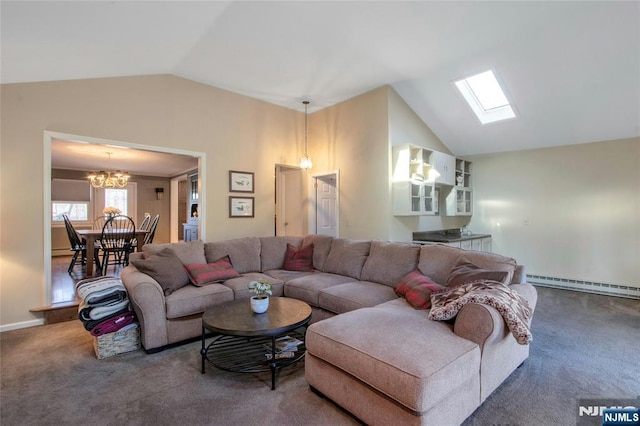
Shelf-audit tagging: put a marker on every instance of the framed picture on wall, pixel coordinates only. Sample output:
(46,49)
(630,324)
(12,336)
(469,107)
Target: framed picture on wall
(240,181)
(241,206)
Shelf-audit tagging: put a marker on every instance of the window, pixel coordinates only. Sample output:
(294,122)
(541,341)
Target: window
(77,211)
(486,98)
(117,198)
(71,197)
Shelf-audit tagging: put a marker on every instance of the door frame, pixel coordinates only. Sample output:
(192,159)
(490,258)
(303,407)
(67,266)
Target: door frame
(279,199)
(49,136)
(313,200)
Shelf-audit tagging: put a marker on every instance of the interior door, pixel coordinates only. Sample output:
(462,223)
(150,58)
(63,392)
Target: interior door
(327,205)
(289,202)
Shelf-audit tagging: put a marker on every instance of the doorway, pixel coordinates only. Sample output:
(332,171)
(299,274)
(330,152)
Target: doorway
(49,137)
(289,219)
(325,206)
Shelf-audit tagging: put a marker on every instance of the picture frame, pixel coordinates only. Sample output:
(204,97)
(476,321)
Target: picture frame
(241,206)
(240,181)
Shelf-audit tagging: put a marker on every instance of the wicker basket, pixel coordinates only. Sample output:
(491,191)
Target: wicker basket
(116,343)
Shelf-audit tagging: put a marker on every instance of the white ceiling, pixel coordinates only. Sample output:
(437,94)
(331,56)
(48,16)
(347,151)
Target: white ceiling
(571,69)
(74,155)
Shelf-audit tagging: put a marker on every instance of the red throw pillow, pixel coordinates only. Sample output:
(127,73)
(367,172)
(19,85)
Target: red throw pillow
(206,273)
(298,259)
(417,289)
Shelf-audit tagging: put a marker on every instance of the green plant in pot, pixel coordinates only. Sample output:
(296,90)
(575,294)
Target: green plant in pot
(262,290)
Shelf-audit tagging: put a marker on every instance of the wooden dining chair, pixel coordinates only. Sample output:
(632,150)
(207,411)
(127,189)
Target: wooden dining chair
(146,222)
(118,233)
(77,245)
(148,239)
(98,223)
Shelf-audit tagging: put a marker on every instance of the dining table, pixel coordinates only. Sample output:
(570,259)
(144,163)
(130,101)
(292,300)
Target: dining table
(91,235)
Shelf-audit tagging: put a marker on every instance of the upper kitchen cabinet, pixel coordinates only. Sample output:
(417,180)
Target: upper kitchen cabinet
(445,165)
(459,200)
(413,181)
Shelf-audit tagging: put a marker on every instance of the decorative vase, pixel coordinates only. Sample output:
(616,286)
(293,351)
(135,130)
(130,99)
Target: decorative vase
(259,304)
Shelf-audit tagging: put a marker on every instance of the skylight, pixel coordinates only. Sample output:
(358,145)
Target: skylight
(485,97)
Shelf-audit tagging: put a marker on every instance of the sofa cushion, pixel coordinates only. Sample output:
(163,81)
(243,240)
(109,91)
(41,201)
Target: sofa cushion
(307,288)
(243,252)
(298,258)
(188,253)
(286,276)
(428,361)
(464,271)
(388,262)
(437,261)
(165,268)
(273,249)
(321,248)
(417,288)
(240,285)
(347,257)
(354,295)
(190,300)
(206,273)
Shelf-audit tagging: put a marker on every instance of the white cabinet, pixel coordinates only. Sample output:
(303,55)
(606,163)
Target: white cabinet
(444,164)
(459,200)
(412,185)
(486,244)
(411,198)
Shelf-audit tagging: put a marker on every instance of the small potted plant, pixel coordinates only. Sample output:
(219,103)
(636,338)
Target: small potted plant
(262,290)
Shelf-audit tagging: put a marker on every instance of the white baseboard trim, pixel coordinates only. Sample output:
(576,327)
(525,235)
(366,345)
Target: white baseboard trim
(24,324)
(607,289)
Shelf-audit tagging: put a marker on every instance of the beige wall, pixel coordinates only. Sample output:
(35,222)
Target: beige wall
(405,127)
(571,212)
(235,132)
(352,137)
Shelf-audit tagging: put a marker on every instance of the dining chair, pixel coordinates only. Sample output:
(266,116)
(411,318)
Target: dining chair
(145,223)
(98,223)
(148,239)
(134,243)
(77,245)
(117,234)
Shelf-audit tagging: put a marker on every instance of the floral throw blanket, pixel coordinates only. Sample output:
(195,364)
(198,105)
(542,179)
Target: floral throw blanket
(513,307)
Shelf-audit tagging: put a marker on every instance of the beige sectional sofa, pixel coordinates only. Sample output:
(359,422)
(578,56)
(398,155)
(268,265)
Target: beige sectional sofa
(368,350)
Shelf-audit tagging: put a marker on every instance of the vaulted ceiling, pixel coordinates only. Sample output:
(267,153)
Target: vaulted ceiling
(571,69)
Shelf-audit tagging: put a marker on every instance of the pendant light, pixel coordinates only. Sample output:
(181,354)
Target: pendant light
(108,180)
(305,161)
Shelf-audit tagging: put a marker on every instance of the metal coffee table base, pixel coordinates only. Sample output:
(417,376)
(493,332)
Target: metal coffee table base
(250,354)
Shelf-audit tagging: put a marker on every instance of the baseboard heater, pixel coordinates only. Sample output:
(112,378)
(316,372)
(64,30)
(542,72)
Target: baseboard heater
(618,290)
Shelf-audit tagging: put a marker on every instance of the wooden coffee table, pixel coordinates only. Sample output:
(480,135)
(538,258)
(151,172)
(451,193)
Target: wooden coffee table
(245,342)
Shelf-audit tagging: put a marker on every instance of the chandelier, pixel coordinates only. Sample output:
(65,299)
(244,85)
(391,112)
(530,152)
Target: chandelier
(305,161)
(108,179)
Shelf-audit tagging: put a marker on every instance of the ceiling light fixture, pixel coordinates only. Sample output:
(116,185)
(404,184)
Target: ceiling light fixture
(305,161)
(104,179)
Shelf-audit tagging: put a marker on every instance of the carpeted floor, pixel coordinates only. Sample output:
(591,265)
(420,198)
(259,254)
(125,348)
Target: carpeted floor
(584,346)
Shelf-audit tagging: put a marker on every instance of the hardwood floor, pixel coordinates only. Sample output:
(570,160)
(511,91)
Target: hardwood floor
(63,283)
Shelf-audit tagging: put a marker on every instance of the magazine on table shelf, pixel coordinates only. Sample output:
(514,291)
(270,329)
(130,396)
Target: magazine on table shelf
(286,347)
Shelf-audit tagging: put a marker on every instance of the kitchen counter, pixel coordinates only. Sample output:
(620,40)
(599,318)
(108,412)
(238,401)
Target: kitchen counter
(445,236)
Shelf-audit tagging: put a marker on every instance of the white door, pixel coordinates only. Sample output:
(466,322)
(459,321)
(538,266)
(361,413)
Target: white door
(289,202)
(326,205)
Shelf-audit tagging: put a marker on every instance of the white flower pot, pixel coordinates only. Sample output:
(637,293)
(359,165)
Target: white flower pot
(259,304)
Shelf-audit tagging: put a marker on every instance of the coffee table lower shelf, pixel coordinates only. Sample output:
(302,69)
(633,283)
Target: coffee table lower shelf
(249,354)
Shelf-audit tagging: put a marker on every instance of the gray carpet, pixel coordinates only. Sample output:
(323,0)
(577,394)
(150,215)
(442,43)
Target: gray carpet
(584,346)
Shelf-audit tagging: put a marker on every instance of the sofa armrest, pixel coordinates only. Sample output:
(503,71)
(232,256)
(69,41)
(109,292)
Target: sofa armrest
(483,324)
(148,302)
